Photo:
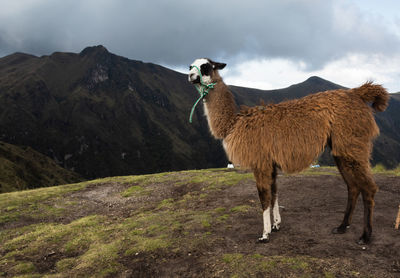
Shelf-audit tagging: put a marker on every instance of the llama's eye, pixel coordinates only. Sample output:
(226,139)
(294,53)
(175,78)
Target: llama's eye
(206,69)
(190,67)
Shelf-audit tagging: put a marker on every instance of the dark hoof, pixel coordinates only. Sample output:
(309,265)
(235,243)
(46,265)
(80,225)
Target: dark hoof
(263,240)
(275,229)
(364,239)
(340,230)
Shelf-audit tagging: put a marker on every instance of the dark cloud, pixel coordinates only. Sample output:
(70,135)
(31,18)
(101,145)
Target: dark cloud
(175,32)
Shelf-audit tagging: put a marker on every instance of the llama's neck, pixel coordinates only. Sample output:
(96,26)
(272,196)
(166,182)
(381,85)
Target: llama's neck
(220,109)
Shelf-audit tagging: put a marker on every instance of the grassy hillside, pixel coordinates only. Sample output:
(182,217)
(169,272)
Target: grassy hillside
(190,224)
(23,168)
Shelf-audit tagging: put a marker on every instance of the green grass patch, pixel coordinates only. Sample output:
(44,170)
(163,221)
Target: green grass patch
(232,258)
(220,210)
(205,223)
(217,179)
(329,274)
(101,258)
(381,169)
(332,170)
(321,171)
(33,202)
(66,264)
(144,180)
(94,243)
(223,217)
(132,191)
(296,263)
(24,268)
(242,208)
(145,244)
(254,265)
(167,203)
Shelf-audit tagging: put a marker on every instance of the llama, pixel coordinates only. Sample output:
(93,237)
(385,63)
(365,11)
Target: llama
(291,134)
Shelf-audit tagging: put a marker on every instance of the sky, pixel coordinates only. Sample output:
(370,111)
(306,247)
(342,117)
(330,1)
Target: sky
(266,44)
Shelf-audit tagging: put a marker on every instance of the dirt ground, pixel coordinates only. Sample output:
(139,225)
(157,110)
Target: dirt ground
(311,206)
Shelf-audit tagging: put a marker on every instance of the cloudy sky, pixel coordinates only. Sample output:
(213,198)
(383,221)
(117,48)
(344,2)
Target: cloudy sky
(266,44)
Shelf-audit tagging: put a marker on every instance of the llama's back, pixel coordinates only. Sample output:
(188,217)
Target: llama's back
(290,134)
(293,133)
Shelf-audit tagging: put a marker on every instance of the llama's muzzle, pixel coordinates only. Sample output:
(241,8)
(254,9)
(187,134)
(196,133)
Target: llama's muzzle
(194,78)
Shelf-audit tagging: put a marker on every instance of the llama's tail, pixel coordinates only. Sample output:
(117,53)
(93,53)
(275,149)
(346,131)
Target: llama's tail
(375,94)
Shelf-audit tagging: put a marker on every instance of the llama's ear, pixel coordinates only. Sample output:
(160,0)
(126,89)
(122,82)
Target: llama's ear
(218,66)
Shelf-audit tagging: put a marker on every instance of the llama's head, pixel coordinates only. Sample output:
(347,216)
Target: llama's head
(208,69)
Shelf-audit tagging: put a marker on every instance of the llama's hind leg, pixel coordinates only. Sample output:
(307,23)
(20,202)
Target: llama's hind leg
(359,179)
(264,180)
(368,194)
(345,167)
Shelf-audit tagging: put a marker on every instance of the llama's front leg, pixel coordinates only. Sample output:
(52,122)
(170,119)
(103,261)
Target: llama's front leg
(264,181)
(276,225)
(267,226)
(275,206)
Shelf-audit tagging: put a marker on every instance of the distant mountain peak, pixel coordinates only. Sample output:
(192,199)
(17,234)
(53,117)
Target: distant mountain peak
(22,54)
(316,80)
(16,58)
(94,50)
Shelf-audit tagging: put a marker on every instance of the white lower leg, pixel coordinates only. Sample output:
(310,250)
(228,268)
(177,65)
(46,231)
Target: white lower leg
(267,224)
(276,216)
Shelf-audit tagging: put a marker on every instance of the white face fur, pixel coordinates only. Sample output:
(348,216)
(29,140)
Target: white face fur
(194,76)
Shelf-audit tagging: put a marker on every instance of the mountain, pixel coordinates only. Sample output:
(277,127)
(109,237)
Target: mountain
(396,96)
(100,114)
(313,84)
(387,145)
(24,168)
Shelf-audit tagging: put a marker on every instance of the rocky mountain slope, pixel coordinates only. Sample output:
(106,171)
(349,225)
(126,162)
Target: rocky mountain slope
(100,114)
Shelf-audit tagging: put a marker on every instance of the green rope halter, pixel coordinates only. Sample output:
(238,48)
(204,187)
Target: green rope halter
(203,92)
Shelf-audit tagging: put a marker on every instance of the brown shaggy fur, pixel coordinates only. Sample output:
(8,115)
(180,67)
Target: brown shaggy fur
(290,135)
(293,133)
